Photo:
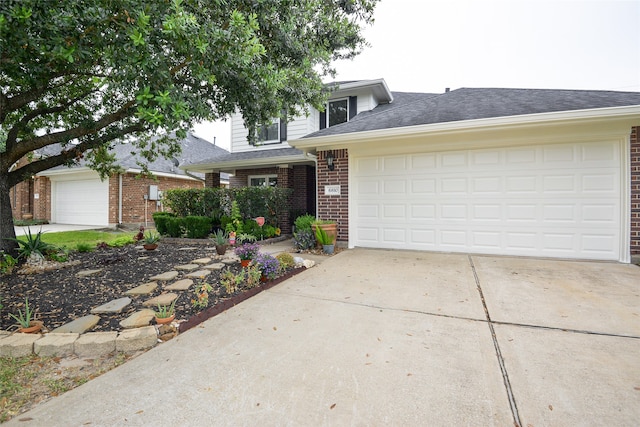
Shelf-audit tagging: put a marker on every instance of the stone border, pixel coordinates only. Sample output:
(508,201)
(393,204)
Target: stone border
(92,344)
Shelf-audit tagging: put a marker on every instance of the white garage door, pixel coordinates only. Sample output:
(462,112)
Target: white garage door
(549,200)
(81,202)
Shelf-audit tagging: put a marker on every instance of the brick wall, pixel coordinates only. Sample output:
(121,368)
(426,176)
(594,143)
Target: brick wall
(212,179)
(635,191)
(304,189)
(335,207)
(133,192)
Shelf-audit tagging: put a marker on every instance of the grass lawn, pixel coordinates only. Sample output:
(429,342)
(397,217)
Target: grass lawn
(88,238)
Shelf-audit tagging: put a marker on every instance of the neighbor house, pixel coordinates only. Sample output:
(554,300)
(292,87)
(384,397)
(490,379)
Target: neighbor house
(526,172)
(78,196)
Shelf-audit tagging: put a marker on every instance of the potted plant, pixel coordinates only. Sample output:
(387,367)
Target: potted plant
(327,242)
(166,313)
(246,252)
(268,265)
(150,240)
(221,241)
(25,321)
(329,226)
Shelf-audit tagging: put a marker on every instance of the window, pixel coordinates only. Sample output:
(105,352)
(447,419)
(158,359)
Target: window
(263,180)
(269,134)
(337,112)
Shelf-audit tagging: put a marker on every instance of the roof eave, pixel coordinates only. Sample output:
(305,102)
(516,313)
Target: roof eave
(627,114)
(244,164)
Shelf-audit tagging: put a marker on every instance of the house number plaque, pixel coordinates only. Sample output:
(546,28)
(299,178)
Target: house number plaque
(331,190)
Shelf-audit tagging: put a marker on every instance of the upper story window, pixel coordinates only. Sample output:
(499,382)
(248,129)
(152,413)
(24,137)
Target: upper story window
(269,134)
(338,111)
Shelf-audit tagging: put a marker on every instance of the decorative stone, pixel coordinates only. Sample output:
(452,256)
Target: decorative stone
(95,344)
(187,267)
(202,261)
(308,263)
(144,289)
(163,299)
(55,344)
(114,306)
(138,319)
(87,273)
(215,266)
(137,339)
(180,285)
(230,261)
(78,326)
(18,345)
(200,274)
(165,277)
(188,249)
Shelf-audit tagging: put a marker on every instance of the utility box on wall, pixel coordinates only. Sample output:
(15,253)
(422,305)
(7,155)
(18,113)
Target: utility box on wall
(153,192)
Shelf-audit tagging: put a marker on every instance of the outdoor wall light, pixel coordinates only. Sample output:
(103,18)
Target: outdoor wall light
(330,159)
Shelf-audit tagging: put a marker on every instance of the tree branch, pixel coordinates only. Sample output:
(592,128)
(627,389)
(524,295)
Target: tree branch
(45,163)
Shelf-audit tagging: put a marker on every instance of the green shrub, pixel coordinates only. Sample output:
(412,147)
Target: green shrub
(84,247)
(268,231)
(121,241)
(286,261)
(33,245)
(304,222)
(175,226)
(197,227)
(160,220)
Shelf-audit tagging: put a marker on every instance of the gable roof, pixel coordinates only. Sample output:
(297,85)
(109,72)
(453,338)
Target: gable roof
(246,159)
(412,109)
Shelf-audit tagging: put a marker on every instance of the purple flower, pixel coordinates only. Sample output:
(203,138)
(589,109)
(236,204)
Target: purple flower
(268,265)
(247,250)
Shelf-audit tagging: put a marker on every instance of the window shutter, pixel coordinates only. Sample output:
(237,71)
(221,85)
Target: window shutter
(283,130)
(323,119)
(353,106)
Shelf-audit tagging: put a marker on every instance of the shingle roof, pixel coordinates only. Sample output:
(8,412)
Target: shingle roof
(193,148)
(251,155)
(410,109)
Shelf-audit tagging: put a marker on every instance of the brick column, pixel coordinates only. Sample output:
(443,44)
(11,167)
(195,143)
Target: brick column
(635,191)
(212,180)
(285,180)
(334,207)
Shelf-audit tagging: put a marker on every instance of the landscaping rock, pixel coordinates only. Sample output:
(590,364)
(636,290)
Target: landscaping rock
(200,274)
(215,266)
(95,344)
(138,319)
(201,261)
(136,339)
(180,285)
(230,261)
(87,273)
(163,299)
(308,263)
(165,277)
(187,267)
(18,345)
(114,306)
(55,344)
(144,289)
(78,326)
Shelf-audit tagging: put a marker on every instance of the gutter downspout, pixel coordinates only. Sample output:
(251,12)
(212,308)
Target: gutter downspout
(315,160)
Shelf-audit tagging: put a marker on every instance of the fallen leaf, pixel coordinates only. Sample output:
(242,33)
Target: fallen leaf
(551,407)
(332,406)
(140,411)
(258,404)
(275,329)
(25,419)
(409,374)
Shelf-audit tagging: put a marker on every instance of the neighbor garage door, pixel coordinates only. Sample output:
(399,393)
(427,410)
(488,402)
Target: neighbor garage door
(547,200)
(81,201)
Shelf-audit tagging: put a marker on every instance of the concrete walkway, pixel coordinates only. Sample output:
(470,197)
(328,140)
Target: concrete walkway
(373,337)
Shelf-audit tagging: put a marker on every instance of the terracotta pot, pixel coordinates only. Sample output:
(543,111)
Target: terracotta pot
(27,216)
(165,320)
(34,327)
(150,246)
(221,249)
(330,229)
(264,278)
(245,262)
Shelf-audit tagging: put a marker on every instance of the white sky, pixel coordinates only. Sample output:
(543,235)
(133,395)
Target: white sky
(429,45)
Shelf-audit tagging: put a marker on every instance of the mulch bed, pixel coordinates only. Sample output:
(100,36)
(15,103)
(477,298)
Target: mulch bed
(59,296)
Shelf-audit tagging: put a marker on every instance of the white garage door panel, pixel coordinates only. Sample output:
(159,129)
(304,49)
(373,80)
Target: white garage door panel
(556,200)
(82,202)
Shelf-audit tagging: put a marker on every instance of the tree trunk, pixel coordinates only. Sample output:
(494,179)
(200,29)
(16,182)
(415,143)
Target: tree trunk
(6,219)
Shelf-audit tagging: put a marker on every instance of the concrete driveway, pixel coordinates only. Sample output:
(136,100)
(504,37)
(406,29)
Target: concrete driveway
(374,337)
(54,228)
